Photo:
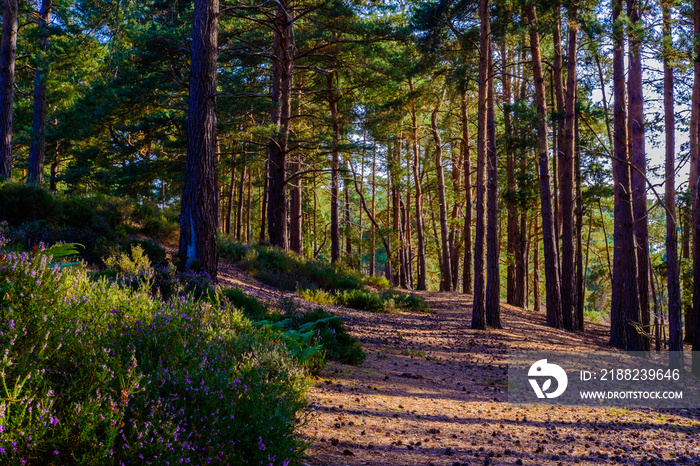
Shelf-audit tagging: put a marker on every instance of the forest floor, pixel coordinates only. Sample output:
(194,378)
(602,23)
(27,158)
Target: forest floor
(433,392)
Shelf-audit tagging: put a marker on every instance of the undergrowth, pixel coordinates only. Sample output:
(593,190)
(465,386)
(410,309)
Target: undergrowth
(102,371)
(104,225)
(317,281)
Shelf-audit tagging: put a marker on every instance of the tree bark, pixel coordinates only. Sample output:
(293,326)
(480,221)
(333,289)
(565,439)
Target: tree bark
(8,52)
(551,262)
(229,206)
(239,206)
(566,172)
(520,243)
(296,237)
(493,244)
(638,159)
(282,69)
(199,217)
(580,270)
(625,296)
(373,214)
(37,151)
(675,318)
(420,222)
(446,278)
(696,201)
(559,137)
(479,300)
(512,215)
(467,284)
(335,167)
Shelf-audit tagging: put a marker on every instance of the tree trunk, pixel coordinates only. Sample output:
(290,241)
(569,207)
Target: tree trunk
(263,200)
(479,300)
(296,238)
(696,202)
(675,319)
(199,217)
(537,300)
(558,108)
(625,296)
(8,51)
(249,206)
(493,245)
(551,263)
(239,205)
(520,293)
(373,214)
(580,270)
(37,151)
(446,278)
(347,224)
(566,171)
(512,215)
(282,69)
(638,158)
(420,222)
(229,206)
(335,167)
(467,285)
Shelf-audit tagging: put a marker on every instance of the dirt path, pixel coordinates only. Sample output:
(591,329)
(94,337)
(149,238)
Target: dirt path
(432,392)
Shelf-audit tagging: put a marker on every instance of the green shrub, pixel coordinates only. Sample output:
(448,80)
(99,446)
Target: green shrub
(407,301)
(379,281)
(362,300)
(96,373)
(317,296)
(21,203)
(231,250)
(331,333)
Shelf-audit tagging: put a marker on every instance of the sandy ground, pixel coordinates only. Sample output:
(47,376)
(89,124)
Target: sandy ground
(433,392)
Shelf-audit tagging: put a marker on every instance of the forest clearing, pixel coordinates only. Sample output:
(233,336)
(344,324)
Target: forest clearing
(333,232)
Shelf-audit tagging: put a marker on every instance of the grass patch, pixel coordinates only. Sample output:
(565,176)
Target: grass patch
(414,353)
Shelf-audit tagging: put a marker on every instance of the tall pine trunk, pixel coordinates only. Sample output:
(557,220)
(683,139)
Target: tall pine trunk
(625,295)
(638,159)
(37,152)
(296,238)
(282,69)
(420,222)
(467,285)
(696,202)
(493,246)
(551,262)
(8,51)
(512,216)
(446,263)
(199,217)
(675,319)
(566,170)
(479,302)
(335,167)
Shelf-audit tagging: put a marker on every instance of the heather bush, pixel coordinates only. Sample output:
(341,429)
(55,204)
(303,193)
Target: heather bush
(94,372)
